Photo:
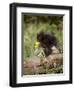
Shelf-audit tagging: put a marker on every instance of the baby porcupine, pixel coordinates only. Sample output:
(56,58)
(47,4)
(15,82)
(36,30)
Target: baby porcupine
(47,41)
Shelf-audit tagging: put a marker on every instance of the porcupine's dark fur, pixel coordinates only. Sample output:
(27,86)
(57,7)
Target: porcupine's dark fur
(47,41)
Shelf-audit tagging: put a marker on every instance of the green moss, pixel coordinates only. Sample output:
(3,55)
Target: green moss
(56,70)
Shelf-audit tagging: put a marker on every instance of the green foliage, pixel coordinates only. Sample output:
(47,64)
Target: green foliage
(34,24)
(56,70)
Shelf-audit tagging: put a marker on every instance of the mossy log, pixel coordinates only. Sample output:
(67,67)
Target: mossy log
(37,66)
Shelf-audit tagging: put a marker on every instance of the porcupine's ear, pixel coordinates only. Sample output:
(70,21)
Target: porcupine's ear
(40,36)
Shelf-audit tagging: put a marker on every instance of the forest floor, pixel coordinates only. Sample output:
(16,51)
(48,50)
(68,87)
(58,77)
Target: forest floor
(54,65)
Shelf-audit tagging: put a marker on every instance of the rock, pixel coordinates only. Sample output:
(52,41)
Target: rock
(35,65)
(32,64)
(55,60)
(34,61)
